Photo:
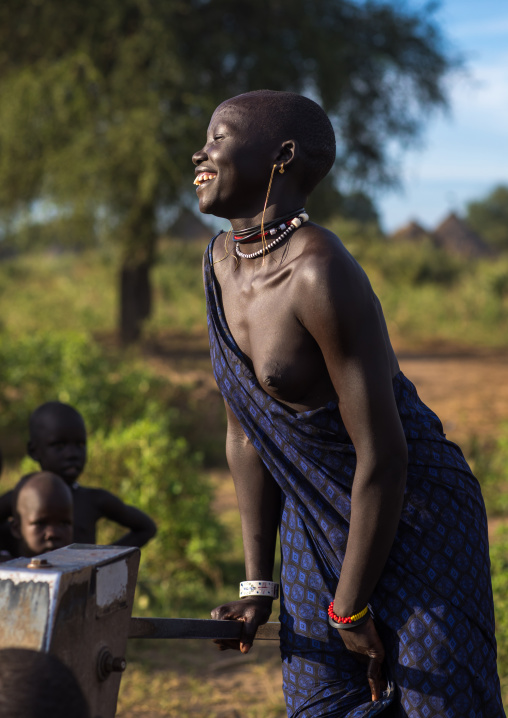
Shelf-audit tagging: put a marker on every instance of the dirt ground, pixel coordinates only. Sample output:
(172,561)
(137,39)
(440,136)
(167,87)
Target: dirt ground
(469,391)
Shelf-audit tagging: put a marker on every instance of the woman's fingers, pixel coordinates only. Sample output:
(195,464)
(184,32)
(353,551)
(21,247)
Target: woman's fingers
(364,643)
(248,633)
(252,612)
(375,678)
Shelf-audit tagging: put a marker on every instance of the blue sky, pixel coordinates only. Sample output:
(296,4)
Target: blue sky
(464,153)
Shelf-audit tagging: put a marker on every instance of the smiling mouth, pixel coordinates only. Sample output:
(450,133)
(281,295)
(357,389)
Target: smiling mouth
(72,470)
(204,177)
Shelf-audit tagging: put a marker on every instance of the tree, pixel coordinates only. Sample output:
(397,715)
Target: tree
(102,103)
(489,217)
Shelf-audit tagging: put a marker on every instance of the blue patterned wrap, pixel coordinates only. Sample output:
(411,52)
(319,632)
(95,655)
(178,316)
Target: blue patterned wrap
(433,603)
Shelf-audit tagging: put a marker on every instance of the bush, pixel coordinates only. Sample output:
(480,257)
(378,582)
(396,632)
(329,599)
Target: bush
(489,463)
(135,450)
(149,467)
(499,571)
(72,368)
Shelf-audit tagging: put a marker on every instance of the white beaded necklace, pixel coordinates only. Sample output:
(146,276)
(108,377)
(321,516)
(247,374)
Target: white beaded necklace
(294,224)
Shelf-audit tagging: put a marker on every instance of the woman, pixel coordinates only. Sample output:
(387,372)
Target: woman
(386,603)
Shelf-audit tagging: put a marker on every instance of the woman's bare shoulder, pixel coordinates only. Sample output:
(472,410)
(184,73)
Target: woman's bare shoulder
(324,260)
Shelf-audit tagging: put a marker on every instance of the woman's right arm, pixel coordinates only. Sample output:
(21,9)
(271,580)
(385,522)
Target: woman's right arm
(258,498)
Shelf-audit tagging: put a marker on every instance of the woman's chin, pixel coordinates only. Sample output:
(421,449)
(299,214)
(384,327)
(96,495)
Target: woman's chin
(208,206)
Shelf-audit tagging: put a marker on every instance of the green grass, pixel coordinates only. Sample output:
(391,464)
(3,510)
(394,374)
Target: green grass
(499,570)
(427,295)
(430,296)
(62,292)
(179,301)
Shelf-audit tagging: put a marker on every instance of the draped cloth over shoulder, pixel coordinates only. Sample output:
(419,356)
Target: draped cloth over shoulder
(433,603)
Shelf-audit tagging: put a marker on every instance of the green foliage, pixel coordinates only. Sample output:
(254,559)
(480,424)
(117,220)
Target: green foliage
(489,461)
(101,118)
(489,217)
(429,295)
(136,450)
(94,109)
(499,572)
(55,292)
(178,287)
(402,264)
(68,367)
(328,203)
(151,468)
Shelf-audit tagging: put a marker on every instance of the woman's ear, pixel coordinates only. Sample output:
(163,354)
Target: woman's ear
(287,153)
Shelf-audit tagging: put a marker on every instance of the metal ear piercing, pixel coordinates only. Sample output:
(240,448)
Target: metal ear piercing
(281,169)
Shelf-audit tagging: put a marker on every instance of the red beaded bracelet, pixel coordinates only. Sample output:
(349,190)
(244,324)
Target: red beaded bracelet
(347,621)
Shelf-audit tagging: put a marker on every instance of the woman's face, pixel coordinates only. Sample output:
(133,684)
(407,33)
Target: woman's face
(233,168)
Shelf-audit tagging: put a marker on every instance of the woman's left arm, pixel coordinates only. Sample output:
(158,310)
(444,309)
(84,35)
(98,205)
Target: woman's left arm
(343,315)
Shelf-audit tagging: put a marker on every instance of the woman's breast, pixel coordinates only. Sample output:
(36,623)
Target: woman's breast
(293,371)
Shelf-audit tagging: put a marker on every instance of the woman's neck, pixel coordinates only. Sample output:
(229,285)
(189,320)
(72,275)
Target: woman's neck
(241,224)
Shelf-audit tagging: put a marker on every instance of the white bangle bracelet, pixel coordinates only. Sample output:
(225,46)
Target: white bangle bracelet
(259,588)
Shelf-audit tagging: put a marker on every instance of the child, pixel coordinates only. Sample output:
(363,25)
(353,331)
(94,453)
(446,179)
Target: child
(58,443)
(42,514)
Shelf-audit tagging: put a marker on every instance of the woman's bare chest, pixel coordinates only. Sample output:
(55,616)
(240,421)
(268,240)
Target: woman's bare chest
(282,354)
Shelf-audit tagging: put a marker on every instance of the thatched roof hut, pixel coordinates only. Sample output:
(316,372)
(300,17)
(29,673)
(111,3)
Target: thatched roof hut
(456,237)
(412,232)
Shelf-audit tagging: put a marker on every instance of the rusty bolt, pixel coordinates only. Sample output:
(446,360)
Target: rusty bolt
(39,563)
(107,664)
(118,665)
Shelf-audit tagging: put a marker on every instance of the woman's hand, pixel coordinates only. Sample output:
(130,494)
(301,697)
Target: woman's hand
(252,610)
(365,645)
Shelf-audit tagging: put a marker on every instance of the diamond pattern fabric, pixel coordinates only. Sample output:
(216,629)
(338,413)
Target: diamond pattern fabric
(433,604)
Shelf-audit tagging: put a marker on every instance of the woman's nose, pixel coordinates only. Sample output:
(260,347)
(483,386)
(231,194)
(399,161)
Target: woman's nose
(199,156)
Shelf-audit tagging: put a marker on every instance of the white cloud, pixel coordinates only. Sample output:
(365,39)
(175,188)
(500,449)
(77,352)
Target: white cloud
(481,99)
(464,153)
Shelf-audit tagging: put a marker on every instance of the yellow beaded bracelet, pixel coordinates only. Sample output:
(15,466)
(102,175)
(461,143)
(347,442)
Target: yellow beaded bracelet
(361,614)
(347,621)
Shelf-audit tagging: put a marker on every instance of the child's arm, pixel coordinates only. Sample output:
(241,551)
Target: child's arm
(141,526)
(6,506)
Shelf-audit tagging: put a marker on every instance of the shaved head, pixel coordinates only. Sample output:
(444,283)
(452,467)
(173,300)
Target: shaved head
(50,487)
(52,413)
(42,513)
(288,116)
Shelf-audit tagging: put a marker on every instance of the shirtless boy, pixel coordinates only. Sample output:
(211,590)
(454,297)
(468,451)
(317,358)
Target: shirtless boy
(58,443)
(42,514)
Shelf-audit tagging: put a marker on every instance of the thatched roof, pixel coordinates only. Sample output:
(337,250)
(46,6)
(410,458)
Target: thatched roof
(413,232)
(455,236)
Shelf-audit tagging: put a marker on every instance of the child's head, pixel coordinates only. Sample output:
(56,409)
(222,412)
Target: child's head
(58,440)
(42,513)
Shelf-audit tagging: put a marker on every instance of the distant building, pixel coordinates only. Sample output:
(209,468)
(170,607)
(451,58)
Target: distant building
(454,235)
(412,232)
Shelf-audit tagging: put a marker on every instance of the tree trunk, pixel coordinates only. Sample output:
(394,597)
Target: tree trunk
(135,300)
(135,285)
